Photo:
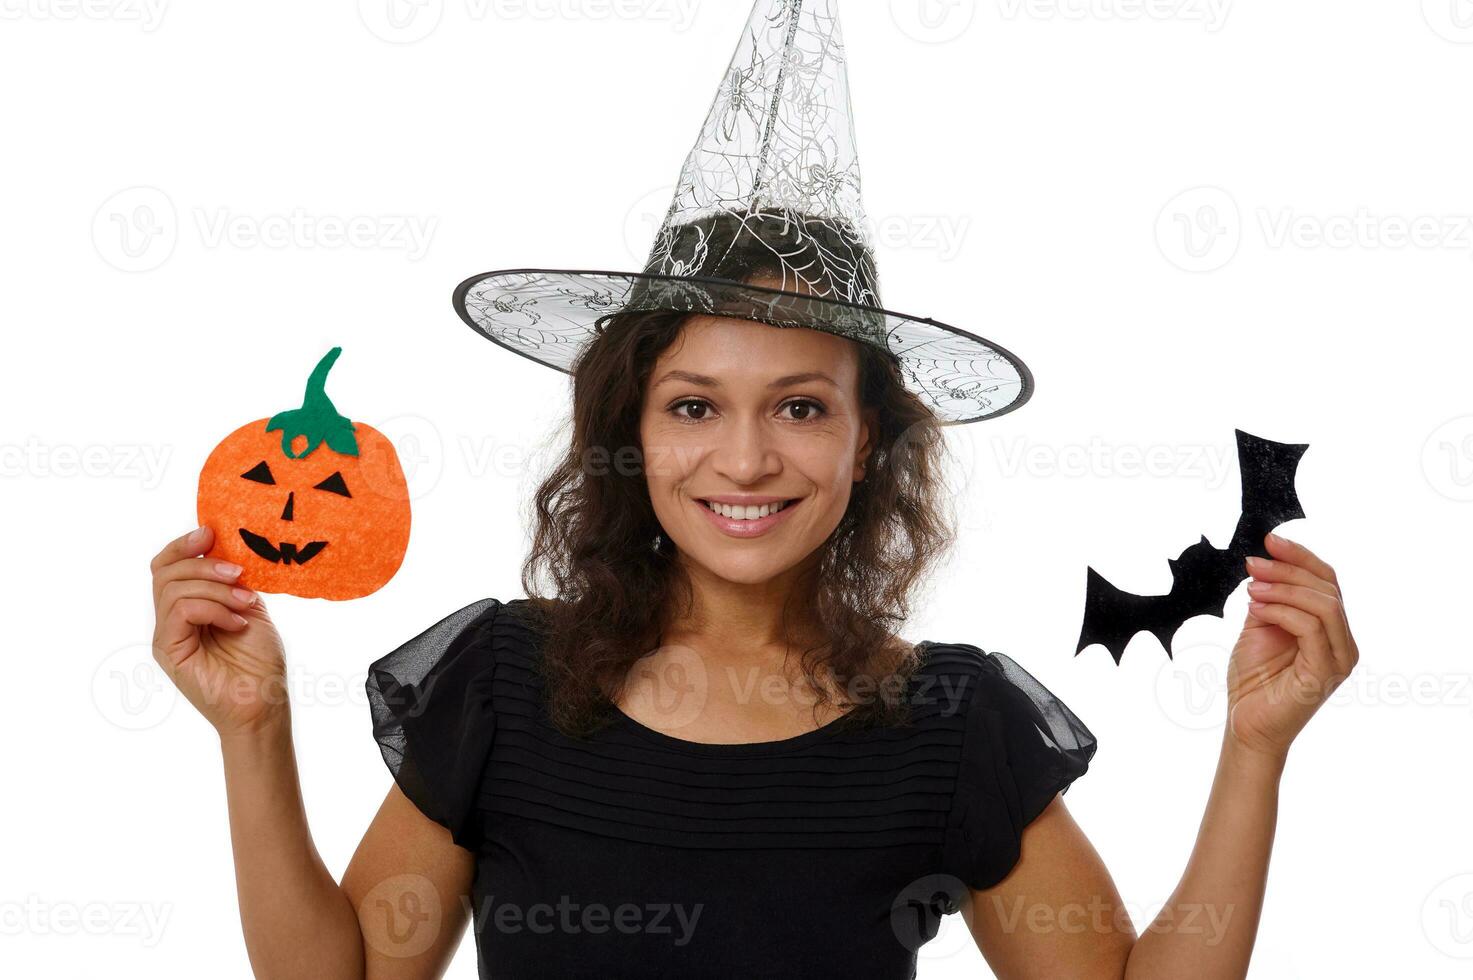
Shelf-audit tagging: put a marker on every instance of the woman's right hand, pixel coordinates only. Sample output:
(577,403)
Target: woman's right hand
(215,640)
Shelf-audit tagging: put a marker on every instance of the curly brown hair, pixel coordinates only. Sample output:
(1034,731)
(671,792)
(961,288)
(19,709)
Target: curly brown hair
(611,591)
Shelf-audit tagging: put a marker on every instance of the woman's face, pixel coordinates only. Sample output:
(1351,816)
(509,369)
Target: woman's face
(763,419)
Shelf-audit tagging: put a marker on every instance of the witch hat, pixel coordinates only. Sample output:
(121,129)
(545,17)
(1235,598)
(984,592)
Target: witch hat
(775,170)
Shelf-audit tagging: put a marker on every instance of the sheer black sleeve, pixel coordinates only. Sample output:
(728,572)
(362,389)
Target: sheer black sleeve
(1022,747)
(430,700)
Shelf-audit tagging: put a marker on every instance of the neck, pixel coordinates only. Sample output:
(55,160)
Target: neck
(743,616)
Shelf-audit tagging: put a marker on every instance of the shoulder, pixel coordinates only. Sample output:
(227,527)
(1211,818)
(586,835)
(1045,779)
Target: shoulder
(952,670)
(471,640)
(1021,746)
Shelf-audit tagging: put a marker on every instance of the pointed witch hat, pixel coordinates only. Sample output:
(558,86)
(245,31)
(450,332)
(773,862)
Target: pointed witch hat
(774,174)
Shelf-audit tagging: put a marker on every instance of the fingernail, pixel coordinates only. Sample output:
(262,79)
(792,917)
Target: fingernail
(1255,562)
(244,595)
(1278,538)
(240,619)
(198,534)
(227,569)
(1257,586)
(1255,606)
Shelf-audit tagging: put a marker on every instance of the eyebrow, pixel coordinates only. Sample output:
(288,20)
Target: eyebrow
(709,382)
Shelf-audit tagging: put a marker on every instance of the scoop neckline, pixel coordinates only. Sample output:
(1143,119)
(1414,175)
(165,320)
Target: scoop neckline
(744,748)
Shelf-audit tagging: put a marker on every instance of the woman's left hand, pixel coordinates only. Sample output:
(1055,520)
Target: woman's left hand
(1295,648)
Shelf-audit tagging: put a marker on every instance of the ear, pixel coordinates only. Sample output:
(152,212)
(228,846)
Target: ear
(869,436)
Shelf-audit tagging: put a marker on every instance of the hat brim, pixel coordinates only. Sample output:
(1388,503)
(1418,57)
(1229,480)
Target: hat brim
(548,316)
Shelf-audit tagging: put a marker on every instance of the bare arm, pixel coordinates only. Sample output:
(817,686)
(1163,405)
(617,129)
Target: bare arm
(1295,649)
(1209,924)
(410,885)
(399,913)
(1058,912)
(296,920)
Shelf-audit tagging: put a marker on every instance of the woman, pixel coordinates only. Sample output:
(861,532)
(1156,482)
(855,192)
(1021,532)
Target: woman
(699,748)
(730,608)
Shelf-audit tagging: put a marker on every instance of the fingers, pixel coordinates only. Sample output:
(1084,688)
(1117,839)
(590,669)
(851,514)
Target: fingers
(1294,563)
(231,596)
(196,542)
(1326,608)
(1314,645)
(208,569)
(1297,554)
(1269,570)
(185,604)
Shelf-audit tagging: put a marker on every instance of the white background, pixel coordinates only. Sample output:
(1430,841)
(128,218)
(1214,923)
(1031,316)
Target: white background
(1188,217)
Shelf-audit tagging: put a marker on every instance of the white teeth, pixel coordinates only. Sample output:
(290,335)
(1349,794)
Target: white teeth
(748,513)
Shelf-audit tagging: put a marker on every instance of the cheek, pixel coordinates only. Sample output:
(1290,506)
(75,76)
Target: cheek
(668,459)
(828,465)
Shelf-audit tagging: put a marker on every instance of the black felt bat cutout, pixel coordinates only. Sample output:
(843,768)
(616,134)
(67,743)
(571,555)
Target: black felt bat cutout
(1203,576)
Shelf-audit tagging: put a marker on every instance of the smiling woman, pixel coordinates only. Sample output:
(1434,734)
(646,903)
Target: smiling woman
(734,412)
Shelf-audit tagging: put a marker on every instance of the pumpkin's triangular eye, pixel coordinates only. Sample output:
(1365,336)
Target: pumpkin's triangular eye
(334,484)
(260,473)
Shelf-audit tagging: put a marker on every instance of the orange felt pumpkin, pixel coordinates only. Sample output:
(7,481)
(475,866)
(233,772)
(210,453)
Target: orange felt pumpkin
(307,502)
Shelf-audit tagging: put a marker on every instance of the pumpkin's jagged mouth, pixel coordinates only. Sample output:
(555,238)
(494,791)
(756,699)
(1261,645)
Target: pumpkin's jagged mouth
(286,553)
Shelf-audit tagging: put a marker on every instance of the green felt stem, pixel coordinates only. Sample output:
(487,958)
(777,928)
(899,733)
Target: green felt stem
(317,419)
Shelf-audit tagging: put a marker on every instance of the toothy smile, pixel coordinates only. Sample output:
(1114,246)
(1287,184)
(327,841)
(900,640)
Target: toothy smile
(747,512)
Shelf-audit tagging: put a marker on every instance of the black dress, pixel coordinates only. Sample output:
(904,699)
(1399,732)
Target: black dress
(638,854)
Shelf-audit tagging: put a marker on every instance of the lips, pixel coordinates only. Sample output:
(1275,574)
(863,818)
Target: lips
(285,553)
(747,529)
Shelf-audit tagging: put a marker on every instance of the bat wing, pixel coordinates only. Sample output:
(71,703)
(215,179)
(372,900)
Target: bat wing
(1202,576)
(1269,499)
(1201,581)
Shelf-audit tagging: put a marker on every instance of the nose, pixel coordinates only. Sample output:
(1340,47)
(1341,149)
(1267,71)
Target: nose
(286,514)
(745,454)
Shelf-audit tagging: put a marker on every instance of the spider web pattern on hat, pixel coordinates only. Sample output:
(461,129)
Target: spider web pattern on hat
(780,135)
(775,170)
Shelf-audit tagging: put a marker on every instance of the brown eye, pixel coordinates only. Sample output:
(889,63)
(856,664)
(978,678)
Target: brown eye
(810,409)
(694,403)
(334,484)
(260,473)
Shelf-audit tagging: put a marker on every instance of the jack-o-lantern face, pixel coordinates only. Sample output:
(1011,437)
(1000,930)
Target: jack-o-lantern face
(307,502)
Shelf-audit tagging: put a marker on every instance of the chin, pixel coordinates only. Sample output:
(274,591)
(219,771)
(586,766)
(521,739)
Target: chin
(749,570)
